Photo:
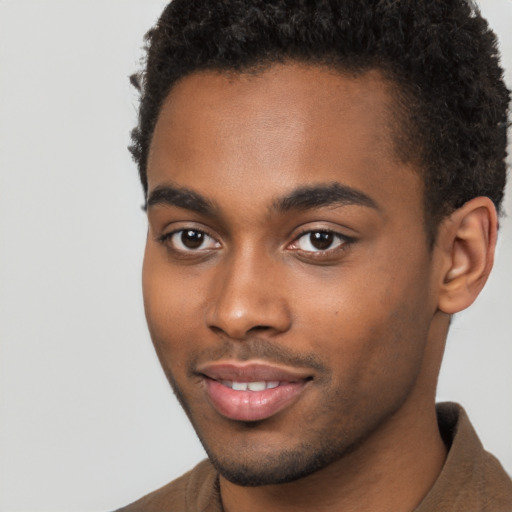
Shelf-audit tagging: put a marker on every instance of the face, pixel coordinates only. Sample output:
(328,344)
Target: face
(287,276)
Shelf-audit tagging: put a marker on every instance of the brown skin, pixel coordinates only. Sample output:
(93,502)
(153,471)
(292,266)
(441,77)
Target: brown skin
(367,318)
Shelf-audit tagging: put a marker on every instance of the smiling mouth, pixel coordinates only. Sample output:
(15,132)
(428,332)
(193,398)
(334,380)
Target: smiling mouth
(250,386)
(253,391)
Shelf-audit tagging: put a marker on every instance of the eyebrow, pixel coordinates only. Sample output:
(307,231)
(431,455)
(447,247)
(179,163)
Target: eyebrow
(302,198)
(316,196)
(181,197)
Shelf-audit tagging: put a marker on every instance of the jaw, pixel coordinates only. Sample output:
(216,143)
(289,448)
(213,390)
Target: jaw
(393,468)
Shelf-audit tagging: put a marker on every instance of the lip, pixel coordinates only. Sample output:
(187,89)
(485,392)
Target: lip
(251,372)
(252,405)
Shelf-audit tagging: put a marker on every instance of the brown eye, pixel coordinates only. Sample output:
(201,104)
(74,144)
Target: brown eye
(319,241)
(190,240)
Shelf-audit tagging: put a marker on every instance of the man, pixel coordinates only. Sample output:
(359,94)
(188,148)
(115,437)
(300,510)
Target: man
(322,184)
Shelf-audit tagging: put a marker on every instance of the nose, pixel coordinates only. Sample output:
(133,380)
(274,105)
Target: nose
(248,296)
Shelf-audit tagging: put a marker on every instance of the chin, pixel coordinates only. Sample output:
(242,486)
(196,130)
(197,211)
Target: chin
(277,468)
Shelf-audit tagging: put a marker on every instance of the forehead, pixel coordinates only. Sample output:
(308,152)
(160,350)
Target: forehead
(287,126)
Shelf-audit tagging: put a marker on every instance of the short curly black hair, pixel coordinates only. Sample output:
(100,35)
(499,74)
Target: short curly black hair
(452,101)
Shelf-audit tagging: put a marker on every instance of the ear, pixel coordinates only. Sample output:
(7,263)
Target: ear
(467,239)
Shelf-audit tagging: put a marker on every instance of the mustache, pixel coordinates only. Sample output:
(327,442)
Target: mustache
(256,348)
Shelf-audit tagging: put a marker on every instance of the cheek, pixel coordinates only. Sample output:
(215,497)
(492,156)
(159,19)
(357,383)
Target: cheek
(369,325)
(173,311)
(375,352)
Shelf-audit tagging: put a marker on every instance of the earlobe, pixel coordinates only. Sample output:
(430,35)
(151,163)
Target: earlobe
(468,243)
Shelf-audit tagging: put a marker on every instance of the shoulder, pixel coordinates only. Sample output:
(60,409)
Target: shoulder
(194,490)
(496,485)
(472,480)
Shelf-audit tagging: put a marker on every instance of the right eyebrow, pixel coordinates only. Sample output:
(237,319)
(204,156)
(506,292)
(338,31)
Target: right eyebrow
(181,197)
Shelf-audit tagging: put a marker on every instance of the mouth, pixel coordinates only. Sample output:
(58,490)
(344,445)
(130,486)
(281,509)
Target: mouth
(260,385)
(252,391)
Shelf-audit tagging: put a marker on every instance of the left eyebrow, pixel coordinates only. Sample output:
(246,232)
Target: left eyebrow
(317,196)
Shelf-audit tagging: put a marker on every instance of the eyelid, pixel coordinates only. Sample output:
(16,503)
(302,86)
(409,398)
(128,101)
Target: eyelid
(342,241)
(346,242)
(170,228)
(166,237)
(306,229)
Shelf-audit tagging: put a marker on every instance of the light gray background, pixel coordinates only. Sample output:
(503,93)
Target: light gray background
(87,421)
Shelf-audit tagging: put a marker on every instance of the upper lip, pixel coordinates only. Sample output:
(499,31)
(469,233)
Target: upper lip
(251,372)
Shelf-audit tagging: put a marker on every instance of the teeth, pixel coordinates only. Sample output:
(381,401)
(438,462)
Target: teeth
(250,386)
(257,386)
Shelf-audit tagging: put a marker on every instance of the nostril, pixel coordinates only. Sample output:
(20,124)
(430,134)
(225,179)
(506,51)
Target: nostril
(259,328)
(253,330)
(216,330)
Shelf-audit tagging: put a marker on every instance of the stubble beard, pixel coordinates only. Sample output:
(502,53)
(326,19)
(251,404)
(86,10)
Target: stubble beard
(284,467)
(315,447)
(287,465)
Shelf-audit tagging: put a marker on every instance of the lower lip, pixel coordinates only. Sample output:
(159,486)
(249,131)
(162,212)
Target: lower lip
(252,405)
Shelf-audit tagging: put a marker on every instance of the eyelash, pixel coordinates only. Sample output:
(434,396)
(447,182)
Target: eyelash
(343,245)
(166,239)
